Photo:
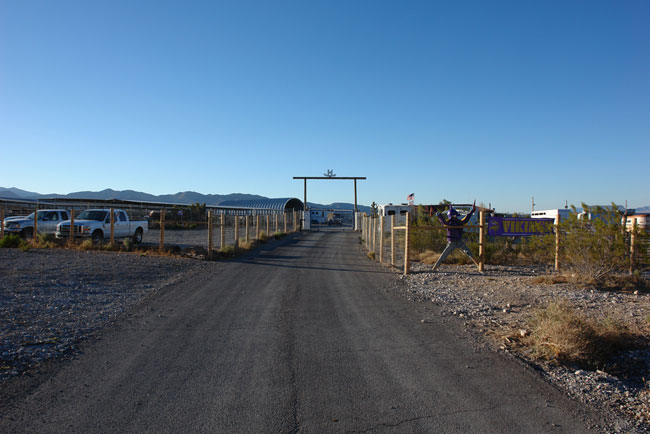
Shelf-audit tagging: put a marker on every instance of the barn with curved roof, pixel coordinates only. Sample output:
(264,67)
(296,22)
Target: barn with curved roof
(281,204)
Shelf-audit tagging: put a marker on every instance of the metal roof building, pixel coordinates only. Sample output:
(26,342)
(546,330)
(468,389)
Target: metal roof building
(281,204)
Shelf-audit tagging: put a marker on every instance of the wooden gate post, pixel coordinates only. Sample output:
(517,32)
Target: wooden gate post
(407,262)
(35,223)
(112,211)
(222,243)
(381,239)
(632,241)
(209,232)
(162,229)
(557,242)
(392,240)
(71,225)
(481,242)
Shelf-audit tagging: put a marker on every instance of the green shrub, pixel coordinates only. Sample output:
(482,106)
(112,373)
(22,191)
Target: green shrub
(11,241)
(127,244)
(594,249)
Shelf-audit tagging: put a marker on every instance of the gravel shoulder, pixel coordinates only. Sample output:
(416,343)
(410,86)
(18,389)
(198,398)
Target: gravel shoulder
(51,300)
(496,306)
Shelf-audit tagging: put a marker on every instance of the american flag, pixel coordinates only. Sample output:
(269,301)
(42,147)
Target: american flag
(410,196)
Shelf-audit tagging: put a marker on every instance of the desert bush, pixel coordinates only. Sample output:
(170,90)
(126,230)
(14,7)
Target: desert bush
(87,245)
(127,244)
(371,255)
(562,334)
(11,241)
(263,237)
(594,249)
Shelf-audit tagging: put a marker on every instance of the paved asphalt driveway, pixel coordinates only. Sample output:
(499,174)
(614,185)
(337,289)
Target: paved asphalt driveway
(307,337)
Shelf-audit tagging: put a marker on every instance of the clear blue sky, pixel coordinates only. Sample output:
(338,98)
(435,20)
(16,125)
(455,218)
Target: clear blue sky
(494,101)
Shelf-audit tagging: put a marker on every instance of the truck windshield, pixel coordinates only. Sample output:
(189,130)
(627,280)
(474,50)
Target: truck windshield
(40,215)
(93,215)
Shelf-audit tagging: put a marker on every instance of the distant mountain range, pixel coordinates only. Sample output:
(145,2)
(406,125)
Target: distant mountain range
(185,197)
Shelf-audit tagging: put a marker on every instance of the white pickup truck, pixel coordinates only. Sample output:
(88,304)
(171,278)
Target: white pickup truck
(96,225)
(47,221)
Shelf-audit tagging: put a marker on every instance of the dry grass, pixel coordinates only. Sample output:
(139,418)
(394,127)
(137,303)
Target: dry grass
(614,282)
(562,334)
(371,255)
(430,257)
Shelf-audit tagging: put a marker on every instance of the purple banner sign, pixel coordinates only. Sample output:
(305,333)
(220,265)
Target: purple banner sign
(518,227)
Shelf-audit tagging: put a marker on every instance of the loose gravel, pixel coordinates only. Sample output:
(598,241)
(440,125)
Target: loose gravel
(498,304)
(52,299)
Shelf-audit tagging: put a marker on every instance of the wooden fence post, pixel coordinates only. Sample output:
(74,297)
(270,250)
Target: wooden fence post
(373,229)
(236,231)
(557,243)
(392,240)
(72,225)
(2,222)
(222,244)
(112,211)
(284,221)
(162,229)
(295,226)
(407,262)
(381,239)
(277,223)
(632,240)
(209,232)
(481,242)
(268,226)
(35,223)
(247,234)
(257,227)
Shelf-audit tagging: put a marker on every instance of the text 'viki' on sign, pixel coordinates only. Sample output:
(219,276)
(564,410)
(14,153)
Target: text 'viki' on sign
(518,227)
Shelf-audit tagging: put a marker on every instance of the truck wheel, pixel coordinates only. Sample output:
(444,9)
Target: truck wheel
(27,233)
(97,237)
(137,237)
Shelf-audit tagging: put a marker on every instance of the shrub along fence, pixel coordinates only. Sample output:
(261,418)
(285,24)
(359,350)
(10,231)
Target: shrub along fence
(179,227)
(593,249)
